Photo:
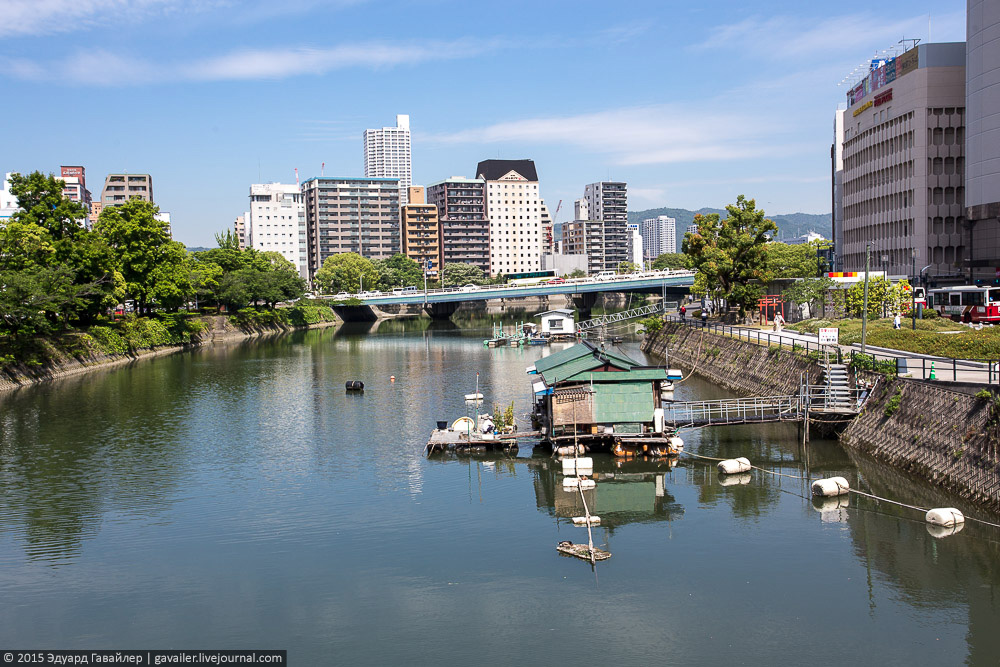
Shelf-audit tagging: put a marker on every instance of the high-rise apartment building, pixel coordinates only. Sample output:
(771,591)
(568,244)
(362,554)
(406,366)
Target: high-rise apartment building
(837,181)
(387,154)
(119,188)
(358,215)
(240,229)
(465,225)
(903,188)
(514,207)
(982,179)
(585,237)
(277,223)
(659,235)
(421,234)
(607,201)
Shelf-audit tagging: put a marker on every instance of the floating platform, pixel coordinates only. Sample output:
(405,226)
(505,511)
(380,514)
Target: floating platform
(582,551)
(443,440)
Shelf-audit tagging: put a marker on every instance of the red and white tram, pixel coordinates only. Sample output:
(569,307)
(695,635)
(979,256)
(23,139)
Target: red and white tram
(967,303)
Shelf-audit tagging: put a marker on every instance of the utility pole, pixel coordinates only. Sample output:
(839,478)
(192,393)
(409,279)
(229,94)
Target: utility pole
(864,306)
(913,288)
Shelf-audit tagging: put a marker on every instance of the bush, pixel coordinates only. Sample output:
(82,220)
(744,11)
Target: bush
(984,395)
(930,314)
(652,324)
(892,406)
(108,340)
(303,315)
(247,318)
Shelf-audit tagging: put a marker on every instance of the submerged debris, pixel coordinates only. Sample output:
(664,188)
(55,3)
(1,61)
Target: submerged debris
(582,551)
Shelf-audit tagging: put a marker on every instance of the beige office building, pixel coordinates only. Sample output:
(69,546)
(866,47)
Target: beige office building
(902,187)
(421,233)
(514,207)
(119,188)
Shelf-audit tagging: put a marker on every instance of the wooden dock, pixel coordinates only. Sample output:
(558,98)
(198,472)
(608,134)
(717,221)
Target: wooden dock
(443,440)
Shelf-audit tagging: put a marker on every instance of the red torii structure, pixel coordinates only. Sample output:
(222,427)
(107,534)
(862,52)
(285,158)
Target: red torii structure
(768,305)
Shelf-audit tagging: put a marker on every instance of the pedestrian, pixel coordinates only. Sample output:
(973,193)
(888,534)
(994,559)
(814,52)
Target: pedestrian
(896,322)
(683,310)
(704,317)
(779,321)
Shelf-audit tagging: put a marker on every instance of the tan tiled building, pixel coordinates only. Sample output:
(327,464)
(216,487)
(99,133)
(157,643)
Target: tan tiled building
(421,233)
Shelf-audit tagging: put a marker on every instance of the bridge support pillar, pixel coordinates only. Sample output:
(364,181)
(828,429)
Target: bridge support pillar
(355,313)
(585,303)
(442,311)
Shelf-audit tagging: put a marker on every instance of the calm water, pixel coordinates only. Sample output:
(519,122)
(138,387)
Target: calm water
(237,498)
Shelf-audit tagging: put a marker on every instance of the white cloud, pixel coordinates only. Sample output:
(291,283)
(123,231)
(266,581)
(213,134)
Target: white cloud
(99,67)
(808,41)
(657,134)
(42,17)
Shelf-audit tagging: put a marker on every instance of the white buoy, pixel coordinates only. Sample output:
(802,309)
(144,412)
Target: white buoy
(582,521)
(945,516)
(734,466)
(677,444)
(735,480)
(581,466)
(574,482)
(832,486)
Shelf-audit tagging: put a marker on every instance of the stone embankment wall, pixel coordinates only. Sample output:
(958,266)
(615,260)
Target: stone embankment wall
(218,330)
(746,368)
(946,437)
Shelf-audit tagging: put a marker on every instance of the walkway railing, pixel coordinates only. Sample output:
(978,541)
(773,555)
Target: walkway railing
(619,317)
(749,335)
(733,411)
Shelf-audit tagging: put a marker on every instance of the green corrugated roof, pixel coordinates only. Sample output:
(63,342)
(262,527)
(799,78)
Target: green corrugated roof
(647,374)
(579,357)
(623,402)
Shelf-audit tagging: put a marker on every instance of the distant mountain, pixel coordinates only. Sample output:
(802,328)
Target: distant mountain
(197,248)
(790,225)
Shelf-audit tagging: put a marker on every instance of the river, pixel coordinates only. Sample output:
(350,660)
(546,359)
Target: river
(237,497)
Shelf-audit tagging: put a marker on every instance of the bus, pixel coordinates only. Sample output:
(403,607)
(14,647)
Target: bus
(967,303)
(529,278)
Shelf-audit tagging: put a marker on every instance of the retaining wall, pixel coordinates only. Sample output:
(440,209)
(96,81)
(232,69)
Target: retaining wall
(943,436)
(746,368)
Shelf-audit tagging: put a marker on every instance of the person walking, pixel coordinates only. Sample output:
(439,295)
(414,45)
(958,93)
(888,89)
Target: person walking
(704,317)
(896,322)
(779,321)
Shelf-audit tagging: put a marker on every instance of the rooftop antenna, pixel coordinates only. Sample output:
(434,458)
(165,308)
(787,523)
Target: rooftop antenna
(912,46)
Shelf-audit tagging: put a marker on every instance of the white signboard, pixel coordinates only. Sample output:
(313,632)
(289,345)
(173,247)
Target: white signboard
(829,336)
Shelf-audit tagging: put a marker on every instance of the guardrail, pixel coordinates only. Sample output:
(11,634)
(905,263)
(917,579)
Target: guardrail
(753,335)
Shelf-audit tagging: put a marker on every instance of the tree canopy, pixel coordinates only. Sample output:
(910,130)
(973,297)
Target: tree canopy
(456,274)
(794,261)
(347,272)
(669,260)
(398,271)
(729,255)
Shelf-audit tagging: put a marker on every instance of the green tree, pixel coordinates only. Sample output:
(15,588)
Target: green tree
(577,273)
(150,263)
(346,272)
(40,200)
(398,271)
(794,261)
(628,267)
(730,254)
(228,240)
(669,260)
(884,297)
(811,291)
(29,298)
(457,274)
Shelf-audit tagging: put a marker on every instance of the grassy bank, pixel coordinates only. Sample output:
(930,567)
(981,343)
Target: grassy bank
(937,336)
(131,334)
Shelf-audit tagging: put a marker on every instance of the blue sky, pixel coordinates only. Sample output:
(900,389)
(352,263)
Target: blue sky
(691,103)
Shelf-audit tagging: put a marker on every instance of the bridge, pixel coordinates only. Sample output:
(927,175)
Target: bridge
(443,302)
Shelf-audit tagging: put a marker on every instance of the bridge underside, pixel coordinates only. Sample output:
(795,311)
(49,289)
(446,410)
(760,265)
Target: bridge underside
(355,313)
(442,311)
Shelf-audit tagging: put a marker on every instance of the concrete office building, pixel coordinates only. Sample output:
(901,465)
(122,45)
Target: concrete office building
(982,174)
(387,154)
(358,215)
(837,187)
(585,237)
(659,235)
(277,223)
(240,229)
(464,223)
(607,201)
(421,234)
(119,188)
(514,207)
(635,247)
(75,189)
(904,164)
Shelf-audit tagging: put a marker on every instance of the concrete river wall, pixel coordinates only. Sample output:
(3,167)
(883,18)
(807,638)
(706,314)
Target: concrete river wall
(945,437)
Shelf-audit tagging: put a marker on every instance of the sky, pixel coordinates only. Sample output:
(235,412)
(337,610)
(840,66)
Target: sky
(690,103)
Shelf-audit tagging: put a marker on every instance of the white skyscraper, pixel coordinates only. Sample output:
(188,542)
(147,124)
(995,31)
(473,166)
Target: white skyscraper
(659,235)
(387,155)
(277,222)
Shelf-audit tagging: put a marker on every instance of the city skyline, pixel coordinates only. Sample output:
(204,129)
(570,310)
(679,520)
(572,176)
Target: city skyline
(280,88)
